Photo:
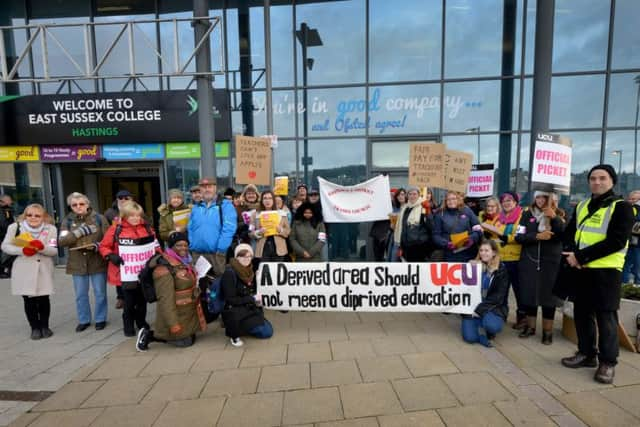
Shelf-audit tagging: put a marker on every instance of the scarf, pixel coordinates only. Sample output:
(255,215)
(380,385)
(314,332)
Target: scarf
(187,260)
(489,217)
(245,273)
(412,219)
(511,217)
(35,232)
(543,221)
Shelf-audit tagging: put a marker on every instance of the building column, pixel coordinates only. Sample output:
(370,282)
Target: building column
(509,17)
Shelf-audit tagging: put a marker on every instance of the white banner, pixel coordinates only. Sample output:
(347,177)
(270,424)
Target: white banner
(480,183)
(368,201)
(551,164)
(419,287)
(134,257)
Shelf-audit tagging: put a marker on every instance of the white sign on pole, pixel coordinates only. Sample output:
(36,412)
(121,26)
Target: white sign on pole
(551,164)
(368,201)
(392,287)
(481,181)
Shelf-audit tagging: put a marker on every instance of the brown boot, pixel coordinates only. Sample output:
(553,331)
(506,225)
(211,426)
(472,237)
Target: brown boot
(530,327)
(605,373)
(547,331)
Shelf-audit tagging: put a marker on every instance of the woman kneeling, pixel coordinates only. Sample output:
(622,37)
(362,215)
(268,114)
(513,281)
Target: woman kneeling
(491,313)
(242,313)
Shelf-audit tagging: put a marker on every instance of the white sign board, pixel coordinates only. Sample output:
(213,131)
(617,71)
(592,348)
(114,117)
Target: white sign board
(480,182)
(551,164)
(368,201)
(134,257)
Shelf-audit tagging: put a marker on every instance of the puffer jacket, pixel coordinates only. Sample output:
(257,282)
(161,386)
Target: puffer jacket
(89,260)
(207,233)
(496,299)
(167,227)
(108,245)
(452,221)
(304,237)
(178,312)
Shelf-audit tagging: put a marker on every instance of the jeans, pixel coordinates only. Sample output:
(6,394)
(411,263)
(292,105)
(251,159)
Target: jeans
(81,286)
(607,332)
(490,322)
(632,265)
(263,331)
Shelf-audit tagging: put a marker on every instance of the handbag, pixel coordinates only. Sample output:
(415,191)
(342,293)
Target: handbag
(417,235)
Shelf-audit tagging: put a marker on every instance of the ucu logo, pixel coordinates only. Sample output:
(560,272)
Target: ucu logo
(454,274)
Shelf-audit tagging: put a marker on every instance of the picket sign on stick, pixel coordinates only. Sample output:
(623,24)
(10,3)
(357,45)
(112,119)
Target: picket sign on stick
(391,287)
(551,164)
(481,181)
(253,160)
(426,164)
(457,168)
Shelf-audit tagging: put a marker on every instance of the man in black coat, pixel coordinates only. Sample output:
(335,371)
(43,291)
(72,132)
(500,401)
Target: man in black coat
(596,238)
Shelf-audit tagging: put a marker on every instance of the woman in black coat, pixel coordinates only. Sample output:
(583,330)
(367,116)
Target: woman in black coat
(242,314)
(540,234)
(489,316)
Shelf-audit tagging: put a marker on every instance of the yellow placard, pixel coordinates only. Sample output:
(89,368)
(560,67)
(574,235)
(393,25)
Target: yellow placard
(459,239)
(269,221)
(281,187)
(22,240)
(181,218)
(26,153)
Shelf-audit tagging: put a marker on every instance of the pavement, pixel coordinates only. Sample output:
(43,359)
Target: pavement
(319,369)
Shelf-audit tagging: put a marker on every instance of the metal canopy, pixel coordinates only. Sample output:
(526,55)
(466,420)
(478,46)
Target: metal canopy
(90,67)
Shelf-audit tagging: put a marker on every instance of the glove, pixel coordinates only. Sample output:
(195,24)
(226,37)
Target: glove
(469,243)
(451,246)
(545,235)
(84,230)
(504,240)
(36,244)
(29,251)
(176,329)
(115,259)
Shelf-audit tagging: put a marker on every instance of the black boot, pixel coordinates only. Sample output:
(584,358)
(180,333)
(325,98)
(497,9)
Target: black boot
(521,321)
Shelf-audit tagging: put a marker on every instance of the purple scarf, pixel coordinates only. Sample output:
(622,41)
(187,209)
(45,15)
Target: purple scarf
(512,217)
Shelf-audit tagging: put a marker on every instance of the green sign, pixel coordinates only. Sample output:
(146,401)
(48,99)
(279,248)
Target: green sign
(191,150)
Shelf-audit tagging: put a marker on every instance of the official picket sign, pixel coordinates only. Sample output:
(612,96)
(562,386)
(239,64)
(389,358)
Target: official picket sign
(135,254)
(418,287)
(551,164)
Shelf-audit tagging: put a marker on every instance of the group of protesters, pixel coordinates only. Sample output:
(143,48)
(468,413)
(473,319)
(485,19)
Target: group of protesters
(540,252)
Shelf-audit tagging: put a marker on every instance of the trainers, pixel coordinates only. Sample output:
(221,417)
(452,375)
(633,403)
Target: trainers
(236,342)
(579,360)
(142,343)
(605,373)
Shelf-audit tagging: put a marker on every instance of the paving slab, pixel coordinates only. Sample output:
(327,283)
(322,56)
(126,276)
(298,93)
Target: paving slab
(431,363)
(191,413)
(524,412)
(418,394)
(473,416)
(70,418)
(339,372)
(476,388)
(469,360)
(309,352)
(365,331)
(343,350)
(402,327)
(357,422)
(71,396)
(412,419)
(284,377)
(333,332)
(597,411)
(625,397)
(142,415)
(250,410)
(120,391)
(264,356)
(177,387)
(370,399)
(232,382)
(311,406)
(120,367)
(175,362)
(383,368)
(393,345)
(216,360)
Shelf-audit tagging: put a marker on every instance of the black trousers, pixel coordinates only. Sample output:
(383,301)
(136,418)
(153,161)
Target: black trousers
(586,319)
(548,313)
(134,310)
(379,248)
(37,310)
(119,292)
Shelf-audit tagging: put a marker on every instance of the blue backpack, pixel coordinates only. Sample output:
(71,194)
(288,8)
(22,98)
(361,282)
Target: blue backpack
(215,298)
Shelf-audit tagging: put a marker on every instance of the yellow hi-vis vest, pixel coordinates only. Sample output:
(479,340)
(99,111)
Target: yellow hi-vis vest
(594,230)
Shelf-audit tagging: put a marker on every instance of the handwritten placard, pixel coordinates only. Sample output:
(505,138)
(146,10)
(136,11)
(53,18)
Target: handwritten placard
(426,164)
(253,160)
(457,167)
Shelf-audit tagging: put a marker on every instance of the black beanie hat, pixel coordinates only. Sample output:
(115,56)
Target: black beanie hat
(608,169)
(177,237)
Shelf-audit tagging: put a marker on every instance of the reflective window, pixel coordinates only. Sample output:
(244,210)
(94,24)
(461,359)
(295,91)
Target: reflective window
(341,30)
(332,112)
(469,143)
(406,109)
(626,37)
(282,45)
(473,39)
(254,122)
(285,161)
(531,37)
(527,104)
(390,155)
(580,35)
(624,100)
(520,171)
(405,41)
(620,152)
(183,174)
(585,155)
(340,161)
(472,104)
(284,113)
(576,101)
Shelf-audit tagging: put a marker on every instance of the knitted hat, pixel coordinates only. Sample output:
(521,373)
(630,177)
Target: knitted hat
(413,188)
(177,237)
(174,192)
(242,247)
(229,192)
(608,169)
(513,195)
(538,193)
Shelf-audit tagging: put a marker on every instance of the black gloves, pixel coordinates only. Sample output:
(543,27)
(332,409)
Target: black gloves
(115,259)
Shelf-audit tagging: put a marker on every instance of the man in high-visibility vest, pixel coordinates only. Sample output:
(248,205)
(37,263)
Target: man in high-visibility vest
(598,235)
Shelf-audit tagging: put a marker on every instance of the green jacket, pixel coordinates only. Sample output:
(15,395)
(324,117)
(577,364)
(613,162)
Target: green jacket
(167,227)
(178,300)
(304,237)
(83,261)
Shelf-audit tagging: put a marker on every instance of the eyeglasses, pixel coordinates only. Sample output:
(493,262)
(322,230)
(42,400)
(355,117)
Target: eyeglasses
(75,205)
(33,215)
(124,198)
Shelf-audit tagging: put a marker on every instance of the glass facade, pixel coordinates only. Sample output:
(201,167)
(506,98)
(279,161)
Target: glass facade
(380,74)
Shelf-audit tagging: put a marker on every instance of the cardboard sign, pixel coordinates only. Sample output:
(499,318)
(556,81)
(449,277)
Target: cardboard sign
(269,222)
(426,164)
(551,164)
(481,181)
(391,287)
(281,187)
(253,160)
(457,167)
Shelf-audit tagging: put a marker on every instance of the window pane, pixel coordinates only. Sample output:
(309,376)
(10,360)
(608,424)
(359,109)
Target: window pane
(405,41)
(282,45)
(626,37)
(622,147)
(624,100)
(473,40)
(576,101)
(340,161)
(284,113)
(472,104)
(580,35)
(334,112)
(390,155)
(469,143)
(585,154)
(407,109)
(531,38)
(341,27)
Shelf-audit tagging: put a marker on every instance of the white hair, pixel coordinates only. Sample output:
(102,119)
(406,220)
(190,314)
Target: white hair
(75,196)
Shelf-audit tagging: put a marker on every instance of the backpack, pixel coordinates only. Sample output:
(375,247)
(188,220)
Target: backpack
(214,296)
(145,277)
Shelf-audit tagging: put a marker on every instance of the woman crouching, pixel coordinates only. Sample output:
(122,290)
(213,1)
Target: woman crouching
(242,313)
(489,316)
(179,314)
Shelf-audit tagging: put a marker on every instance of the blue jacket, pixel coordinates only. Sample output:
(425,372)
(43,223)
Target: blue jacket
(452,221)
(206,233)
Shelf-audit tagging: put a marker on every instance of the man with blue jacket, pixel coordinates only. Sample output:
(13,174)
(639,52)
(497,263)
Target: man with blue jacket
(211,226)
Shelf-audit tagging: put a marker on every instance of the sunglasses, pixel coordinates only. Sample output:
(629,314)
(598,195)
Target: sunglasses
(33,216)
(75,205)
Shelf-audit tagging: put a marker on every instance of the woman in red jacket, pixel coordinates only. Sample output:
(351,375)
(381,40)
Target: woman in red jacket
(127,246)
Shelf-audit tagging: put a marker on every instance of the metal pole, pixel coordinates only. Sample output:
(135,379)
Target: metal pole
(267,65)
(305,126)
(205,92)
(635,129)
(478,145)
